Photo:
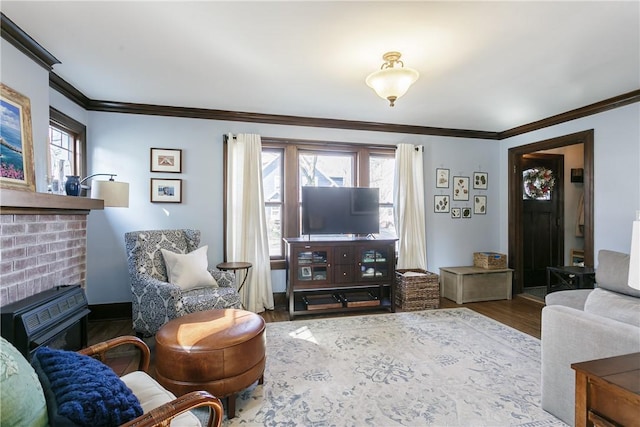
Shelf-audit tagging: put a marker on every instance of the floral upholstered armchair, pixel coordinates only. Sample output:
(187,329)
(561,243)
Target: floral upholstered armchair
(155,299)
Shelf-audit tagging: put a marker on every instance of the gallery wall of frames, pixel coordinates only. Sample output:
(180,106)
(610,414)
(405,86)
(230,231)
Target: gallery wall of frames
(461,196)
(166,190)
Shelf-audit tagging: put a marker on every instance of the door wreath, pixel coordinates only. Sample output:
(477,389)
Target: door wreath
(538,183)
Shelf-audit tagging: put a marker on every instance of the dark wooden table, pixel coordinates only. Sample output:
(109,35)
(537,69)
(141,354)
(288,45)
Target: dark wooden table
(608,391)
(570,277)
(235,266)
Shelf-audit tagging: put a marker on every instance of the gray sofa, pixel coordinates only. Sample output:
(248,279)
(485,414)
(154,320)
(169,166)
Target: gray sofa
(585,324)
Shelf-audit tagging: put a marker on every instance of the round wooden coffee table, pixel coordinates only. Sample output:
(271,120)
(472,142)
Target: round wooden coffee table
(219,351)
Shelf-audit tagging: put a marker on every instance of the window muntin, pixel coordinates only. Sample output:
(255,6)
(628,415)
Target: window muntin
(66,150)
(272,179)
(325,169)
(381,175)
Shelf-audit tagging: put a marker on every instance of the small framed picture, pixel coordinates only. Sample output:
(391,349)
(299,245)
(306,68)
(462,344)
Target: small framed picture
(166,160)
(442,178)
(480,180)
(166,190)
(466,212)
(460,188)
(441,204)
(456,212)
(305,271)
(479,205)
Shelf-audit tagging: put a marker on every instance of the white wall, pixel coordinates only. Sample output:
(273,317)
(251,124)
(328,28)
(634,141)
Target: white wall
(573,159)
(120,143)
(452,242)
(31,80)
(616,173)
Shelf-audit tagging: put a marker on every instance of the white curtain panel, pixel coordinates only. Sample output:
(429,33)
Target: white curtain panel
(409,207)
(246,220)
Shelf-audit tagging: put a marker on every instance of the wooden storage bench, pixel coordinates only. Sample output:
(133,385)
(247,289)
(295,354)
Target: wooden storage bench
(470,284)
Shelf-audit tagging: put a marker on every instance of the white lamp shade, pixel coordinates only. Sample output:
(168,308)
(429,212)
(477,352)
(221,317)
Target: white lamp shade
(115,194)
(392,82)
(634,259)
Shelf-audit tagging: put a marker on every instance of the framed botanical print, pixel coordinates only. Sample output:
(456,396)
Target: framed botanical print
(466,212)
(479,205)
(17,169)
(460,188)
(166,190)
(456,213)
(480,180)
(442,178)
(166,160)
(441,204)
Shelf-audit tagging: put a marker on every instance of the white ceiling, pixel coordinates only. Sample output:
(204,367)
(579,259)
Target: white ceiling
(487,66)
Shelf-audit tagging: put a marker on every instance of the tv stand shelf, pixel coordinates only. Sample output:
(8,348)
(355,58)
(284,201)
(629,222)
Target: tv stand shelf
(336,275)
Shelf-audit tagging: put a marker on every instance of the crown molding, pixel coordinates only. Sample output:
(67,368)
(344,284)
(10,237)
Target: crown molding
(62,86)
(21,40)
(25,44)
(237,116)
(598,107)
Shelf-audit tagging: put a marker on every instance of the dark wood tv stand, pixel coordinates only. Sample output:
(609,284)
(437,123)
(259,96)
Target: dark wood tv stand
(330,275)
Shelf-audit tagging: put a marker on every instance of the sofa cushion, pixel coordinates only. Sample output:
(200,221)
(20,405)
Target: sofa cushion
(613,272)
(152,395)
(574,298)
(82,391)
(188,270)
(620,307)
(21,395)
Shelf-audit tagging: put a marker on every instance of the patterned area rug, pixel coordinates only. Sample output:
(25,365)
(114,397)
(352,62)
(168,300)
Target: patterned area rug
(450,367)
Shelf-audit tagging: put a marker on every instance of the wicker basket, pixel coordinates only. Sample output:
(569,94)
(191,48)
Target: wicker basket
(489,260)
(417,292)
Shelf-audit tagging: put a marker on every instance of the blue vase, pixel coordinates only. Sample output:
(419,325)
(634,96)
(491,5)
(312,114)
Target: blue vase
(72,186)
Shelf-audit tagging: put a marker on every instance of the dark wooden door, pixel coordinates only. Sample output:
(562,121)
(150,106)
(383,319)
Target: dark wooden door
(542,215)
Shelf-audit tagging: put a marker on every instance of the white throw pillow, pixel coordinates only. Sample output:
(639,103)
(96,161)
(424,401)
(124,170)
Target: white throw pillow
(189,270)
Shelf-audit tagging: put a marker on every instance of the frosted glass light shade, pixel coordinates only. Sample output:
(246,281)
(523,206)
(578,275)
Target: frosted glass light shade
(634,260)
(392,83)
(115,194)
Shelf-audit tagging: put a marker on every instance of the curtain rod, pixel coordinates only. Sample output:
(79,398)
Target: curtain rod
(235,138)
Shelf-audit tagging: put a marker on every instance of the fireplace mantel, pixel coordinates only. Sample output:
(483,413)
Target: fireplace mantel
(31,203)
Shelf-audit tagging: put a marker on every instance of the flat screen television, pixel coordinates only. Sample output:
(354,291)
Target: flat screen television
(340,210)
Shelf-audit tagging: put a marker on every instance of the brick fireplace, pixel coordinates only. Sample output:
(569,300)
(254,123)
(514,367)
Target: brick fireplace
(43,242)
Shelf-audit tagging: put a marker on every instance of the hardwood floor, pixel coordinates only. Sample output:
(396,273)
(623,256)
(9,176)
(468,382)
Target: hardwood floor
(521,313)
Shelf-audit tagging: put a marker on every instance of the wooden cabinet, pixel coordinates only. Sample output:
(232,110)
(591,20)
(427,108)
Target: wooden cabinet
(608,391)
(333,275)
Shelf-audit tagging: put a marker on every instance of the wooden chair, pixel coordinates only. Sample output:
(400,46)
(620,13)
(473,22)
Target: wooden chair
(140,380)
(45,391)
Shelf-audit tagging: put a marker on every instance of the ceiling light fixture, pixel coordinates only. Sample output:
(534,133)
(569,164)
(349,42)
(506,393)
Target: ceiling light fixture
(393,79)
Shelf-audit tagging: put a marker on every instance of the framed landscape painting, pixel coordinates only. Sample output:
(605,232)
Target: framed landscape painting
(16,141)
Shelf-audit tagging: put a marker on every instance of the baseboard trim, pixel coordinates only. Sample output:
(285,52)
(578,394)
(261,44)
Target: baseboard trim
(115,311)
(122,310)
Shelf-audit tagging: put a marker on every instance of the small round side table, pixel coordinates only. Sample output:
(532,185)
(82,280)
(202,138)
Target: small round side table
(235,266)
